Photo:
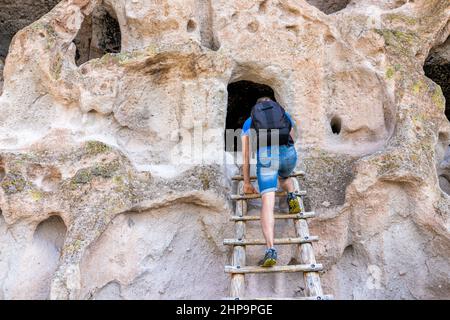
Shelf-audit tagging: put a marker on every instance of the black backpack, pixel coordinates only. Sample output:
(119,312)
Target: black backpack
(267,116)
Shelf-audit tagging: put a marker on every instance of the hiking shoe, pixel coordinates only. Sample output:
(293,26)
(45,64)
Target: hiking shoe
(294,204)
(270,258)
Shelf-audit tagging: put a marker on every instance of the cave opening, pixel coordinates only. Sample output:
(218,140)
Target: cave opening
(329,6)
(336,124)
(242,96)
(99,35)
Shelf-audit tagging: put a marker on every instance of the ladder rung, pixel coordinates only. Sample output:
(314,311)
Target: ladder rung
(246,242)
(323,297)
(258,195)
(295,174)
(294,268)
(303,215)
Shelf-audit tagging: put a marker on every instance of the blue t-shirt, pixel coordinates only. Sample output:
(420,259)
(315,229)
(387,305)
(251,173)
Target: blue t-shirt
(248,123)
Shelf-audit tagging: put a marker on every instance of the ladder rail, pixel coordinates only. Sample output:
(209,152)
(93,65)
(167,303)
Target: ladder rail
(237,287)
(307,256)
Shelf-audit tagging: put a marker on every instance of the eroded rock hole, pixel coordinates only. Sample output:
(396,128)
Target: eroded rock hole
(443,162)
(2,171)
(42,257)
(242,96)
(191,26)
(52,230)
(99,34)
(329,6)
(336,124)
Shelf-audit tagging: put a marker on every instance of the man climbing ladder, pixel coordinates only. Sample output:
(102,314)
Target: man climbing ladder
(273,130)
(276,158)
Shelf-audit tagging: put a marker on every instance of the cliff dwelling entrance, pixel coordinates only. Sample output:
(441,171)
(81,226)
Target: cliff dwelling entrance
(242,96)
(437,68)
(99,34)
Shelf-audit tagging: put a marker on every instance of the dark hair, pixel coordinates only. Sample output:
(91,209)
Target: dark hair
(262,99)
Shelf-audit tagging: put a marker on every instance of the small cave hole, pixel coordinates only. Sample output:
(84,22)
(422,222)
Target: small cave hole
(349,251)
(99,35)
(191,25)
(53,230)
(329,6)
(263,6)
(253,26)
(336,124)
(242,96)
(437,68)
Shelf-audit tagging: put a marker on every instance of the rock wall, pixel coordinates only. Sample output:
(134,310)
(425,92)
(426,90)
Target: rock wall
(116,159)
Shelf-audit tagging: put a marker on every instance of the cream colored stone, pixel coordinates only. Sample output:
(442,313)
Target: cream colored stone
(127,149)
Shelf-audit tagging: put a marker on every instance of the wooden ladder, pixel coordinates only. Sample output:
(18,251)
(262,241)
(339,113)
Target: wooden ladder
(303,239)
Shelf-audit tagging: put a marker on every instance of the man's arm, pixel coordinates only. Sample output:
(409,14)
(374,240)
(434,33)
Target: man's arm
(248,187)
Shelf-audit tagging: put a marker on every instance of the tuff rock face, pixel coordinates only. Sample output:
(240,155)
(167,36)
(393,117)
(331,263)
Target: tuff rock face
(106,191)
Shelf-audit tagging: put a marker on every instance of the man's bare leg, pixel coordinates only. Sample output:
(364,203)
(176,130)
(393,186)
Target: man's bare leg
(293,203)
(267,218)
(287,184)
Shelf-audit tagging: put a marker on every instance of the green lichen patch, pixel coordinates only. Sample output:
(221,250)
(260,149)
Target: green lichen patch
(47,31)
(399,41)
(96,147)
(105,170)
(401,18)
(36,195)
(392,70)
(390,162)
(119,182)
(205,180)
(75,246)
(13,183)
(82,176)
(56,67)
(86,175)
(390,73)
(438,98)
(418,87)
